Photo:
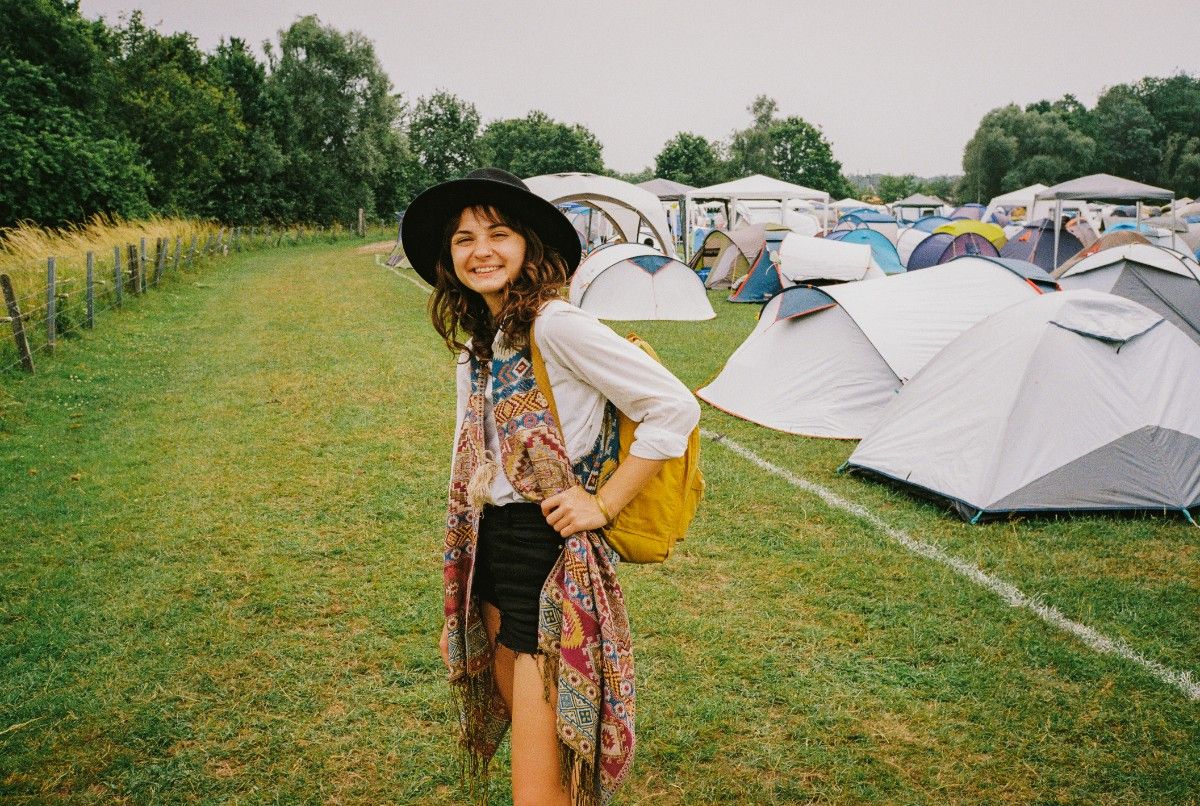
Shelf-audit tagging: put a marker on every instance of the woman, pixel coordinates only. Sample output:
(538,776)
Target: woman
(536,634)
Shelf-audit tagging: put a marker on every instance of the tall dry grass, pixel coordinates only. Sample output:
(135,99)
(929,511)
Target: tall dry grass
(25,248)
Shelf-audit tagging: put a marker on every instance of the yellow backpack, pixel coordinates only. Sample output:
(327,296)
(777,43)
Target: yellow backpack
(646,530)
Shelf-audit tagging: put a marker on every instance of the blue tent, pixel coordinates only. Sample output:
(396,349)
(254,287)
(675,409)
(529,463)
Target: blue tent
(930,222)
(868,216)
(883,250)
(761,283)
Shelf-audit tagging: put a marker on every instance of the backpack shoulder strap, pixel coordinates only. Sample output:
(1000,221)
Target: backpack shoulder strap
(542,379)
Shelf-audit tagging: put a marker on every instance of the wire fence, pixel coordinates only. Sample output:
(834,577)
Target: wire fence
(41,309)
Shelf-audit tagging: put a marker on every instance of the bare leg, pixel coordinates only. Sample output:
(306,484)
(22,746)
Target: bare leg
(502,659)
(536,776)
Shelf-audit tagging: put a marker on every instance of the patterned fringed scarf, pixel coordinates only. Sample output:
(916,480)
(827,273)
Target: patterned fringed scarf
(583,630)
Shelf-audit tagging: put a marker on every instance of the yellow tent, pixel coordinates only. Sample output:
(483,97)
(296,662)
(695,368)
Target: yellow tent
(965,225)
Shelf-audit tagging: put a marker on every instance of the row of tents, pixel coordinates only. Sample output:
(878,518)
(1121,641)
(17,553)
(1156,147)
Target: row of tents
(990,384)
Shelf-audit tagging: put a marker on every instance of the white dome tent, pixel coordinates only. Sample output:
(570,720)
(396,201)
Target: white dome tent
(635,213)
(803,259)
(635,282)
(907,240)
(973,426)
(1164,281)
(824,362)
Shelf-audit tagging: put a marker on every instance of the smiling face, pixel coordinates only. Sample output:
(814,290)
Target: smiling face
(487,255)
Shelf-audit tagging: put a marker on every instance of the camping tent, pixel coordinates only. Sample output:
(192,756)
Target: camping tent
(726,254)
(1106,241)
(634,213)
(884,250)
(1035,243)
(848,205)
(971,211)
(973,427)
(964,225)
(762,282)
(942,247)
(1007,202)
(818,261)
(1155,235)
(632,281)
(727,265)
(918,205)
(883,223)
(930,222)
(1164,281)
(906,242)
(824,362)
(754,188)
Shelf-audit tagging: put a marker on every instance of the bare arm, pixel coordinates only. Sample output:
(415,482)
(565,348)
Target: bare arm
(575,510)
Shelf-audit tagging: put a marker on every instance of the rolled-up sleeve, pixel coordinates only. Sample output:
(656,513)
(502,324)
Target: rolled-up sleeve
(644,390)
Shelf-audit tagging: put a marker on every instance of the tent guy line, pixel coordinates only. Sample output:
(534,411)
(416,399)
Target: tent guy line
(1009,593)
(396,272)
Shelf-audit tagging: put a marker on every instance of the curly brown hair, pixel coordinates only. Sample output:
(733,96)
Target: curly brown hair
(459,313)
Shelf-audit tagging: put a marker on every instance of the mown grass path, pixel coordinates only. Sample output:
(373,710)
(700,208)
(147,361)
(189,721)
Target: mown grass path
(219,582)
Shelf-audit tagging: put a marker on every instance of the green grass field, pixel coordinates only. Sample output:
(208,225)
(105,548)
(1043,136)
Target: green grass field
(220,583)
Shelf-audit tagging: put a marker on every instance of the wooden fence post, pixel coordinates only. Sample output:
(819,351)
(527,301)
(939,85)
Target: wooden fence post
(51,309)
(158,260)
(134,267)
(362,222)
(142,266)
(178,246)
(192,251)
(118,285)
(18,327)
(90,322)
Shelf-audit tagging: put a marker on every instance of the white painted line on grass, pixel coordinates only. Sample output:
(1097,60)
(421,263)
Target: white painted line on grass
(397,272)
(1097,641)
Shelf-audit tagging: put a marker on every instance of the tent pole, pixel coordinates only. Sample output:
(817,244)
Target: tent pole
(687,233)
(1057,227)
(1174,219)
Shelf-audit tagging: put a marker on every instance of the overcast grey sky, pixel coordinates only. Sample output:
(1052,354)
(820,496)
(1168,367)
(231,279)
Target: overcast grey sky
(896,87)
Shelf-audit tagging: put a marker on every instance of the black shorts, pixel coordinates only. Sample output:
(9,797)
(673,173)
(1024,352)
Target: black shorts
(516,551)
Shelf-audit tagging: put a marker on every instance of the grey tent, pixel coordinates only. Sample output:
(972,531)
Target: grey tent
(1039,242)
(1163,280)
(972,429)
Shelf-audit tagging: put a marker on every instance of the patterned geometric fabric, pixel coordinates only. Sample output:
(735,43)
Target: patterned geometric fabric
(583,630)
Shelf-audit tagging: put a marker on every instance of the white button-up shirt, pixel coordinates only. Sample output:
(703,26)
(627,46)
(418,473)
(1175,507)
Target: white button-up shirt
(588,364)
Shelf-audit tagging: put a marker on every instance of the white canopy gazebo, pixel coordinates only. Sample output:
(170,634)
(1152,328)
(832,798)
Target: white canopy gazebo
(1102,187)
(631,209)
(751,188)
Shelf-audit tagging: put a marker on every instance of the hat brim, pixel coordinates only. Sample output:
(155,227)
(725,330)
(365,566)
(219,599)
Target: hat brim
(425,220)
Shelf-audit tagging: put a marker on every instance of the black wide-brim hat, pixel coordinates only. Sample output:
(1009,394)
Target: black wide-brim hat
(426,218)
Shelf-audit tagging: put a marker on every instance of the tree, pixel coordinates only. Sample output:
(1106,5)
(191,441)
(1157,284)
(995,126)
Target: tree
(1127,135)
(690,159)
(250,185)
(791,149)
(891,187)
(56,169)
(187,127)
(335,119)
(443,134)
(536,145)
(1013,148)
